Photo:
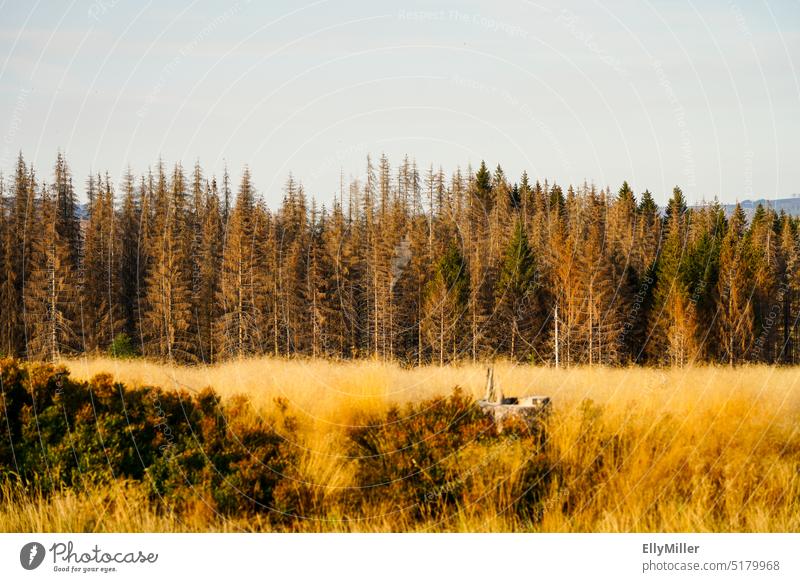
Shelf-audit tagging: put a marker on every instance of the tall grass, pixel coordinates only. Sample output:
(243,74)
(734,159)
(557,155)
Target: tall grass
(692,449)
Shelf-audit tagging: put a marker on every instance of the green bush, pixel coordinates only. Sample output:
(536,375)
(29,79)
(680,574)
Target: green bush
(409,458)
(122,347)
(65,433)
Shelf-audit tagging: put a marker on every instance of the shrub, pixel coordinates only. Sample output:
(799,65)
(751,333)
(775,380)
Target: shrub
(72,434)
(409,459)
(122,347)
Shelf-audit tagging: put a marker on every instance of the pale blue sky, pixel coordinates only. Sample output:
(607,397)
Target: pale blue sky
(701,94)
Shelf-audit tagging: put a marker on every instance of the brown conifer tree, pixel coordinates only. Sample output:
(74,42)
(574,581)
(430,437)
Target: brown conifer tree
(167,321)
(236,331)
(131,253)
(735,288)
(51,295)
(101,301)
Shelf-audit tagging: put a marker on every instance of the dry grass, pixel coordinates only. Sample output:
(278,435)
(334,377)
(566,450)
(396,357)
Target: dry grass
(696,449)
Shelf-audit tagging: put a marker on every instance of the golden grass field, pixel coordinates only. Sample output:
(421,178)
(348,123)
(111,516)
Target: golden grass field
(691,449)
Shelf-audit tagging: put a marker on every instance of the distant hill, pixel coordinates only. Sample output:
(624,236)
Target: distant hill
(82,211)
(789,205)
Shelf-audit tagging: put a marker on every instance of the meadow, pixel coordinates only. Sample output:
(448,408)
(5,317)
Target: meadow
(314,445)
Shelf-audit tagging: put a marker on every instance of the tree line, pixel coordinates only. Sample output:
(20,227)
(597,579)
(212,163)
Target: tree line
(408,265)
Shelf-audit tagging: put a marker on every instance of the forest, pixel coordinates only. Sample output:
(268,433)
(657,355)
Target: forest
(405,264)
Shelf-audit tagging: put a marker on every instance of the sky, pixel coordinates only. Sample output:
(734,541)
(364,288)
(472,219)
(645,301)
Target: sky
(701,94)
